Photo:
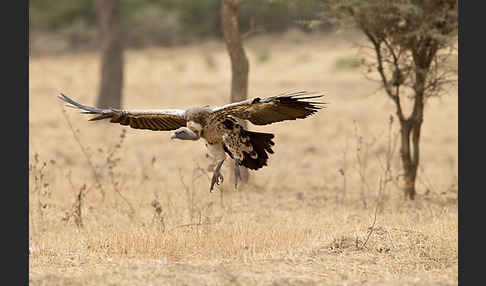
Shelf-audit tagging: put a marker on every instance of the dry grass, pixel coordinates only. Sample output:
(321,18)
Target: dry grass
(133,207)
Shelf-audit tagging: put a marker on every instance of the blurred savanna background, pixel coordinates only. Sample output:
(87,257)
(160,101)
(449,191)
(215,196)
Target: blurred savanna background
(111,205)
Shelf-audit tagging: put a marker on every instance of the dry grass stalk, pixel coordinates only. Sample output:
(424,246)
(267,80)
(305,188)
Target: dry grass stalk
(85,153)
(343,170)
(279,228)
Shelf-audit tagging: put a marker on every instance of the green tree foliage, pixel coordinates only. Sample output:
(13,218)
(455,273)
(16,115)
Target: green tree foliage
(56,14)
(168,22)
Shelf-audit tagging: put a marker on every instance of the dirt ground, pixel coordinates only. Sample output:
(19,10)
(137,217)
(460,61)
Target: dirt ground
(110,205)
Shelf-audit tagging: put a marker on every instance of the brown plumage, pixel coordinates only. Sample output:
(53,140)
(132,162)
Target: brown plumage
(219,125)
(156,120)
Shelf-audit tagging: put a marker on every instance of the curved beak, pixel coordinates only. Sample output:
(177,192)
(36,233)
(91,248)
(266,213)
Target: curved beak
(185,133)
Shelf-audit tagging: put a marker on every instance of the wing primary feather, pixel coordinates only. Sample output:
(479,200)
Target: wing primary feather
(308,97)
(103,116)
(157,119)
(88,109)
(262,111)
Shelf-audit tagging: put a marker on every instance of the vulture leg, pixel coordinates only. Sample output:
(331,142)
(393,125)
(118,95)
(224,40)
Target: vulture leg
(217,176)
(237,172)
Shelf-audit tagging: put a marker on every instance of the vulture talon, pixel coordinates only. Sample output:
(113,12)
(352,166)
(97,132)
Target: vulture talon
(217,176)
(219,126)
(217,179)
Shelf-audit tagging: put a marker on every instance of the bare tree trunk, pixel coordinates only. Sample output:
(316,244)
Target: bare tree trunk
(408,127)
(406,56)
(411,126)
(410,133)
(110,92)
(239,61)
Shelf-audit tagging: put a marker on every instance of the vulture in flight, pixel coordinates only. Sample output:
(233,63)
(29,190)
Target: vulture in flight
(218,126)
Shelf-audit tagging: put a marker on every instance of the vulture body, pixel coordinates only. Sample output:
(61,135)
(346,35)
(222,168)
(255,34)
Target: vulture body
(218,126)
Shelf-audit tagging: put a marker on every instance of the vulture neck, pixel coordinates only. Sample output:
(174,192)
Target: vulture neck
(198,116)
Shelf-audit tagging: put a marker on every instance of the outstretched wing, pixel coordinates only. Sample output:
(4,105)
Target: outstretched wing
(261,111)
(157,120)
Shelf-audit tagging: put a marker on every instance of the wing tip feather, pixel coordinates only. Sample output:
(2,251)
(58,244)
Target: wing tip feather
(74,104)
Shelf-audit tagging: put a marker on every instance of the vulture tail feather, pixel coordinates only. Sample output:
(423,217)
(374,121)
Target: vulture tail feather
(262,145)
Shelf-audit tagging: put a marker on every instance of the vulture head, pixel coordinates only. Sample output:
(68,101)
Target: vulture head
(184,133)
